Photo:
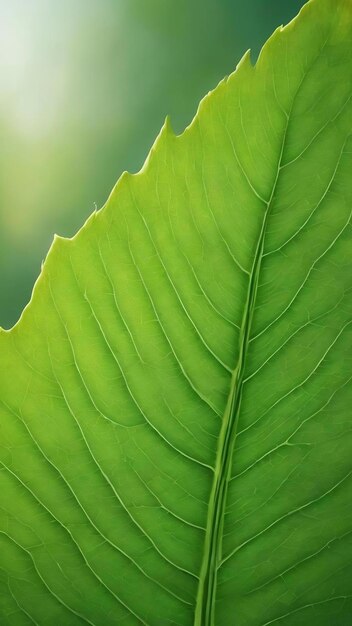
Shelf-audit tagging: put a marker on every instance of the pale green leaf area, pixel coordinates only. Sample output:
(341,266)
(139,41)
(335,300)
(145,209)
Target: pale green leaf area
(175,401)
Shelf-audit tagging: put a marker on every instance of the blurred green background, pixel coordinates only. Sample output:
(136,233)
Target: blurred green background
(85,86)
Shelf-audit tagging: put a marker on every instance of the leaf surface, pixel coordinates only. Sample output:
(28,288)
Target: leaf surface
(175,400)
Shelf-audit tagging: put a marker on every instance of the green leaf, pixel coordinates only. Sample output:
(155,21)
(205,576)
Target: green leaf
(175,400)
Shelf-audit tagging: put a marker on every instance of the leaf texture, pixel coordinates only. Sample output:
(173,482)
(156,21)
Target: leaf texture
(175,400)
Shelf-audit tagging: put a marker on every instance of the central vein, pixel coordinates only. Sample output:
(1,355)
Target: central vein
(205,605)
(204,615)
(206,597)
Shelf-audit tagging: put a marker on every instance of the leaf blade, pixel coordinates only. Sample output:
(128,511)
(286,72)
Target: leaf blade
(132,453)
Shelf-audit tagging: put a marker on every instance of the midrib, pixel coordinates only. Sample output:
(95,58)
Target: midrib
(206,596)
